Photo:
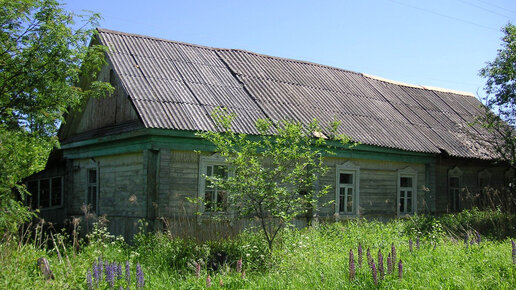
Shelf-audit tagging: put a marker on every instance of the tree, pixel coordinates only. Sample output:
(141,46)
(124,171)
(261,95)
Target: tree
(500,100)
(42,59)
(272,176)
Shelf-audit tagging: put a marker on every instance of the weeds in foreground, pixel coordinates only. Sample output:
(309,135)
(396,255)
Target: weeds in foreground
(327,257)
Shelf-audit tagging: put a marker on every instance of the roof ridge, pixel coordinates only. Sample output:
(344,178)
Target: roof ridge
(290,59)
(424,87)
(105,30)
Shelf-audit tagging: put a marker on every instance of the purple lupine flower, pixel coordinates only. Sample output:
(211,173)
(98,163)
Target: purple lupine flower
(400,269)
(513,252)
(122,288)
(208,281)
(127,272)
(471,242)
(352,269)
(374,273)
(381,269)
(89,280)
(140,281)
(100,265)
(239,265)
(96,273)
(197,270)
(389,264)
(110,274)
(466,239)
(417,243)
(479,239)
(119,271)
(360,255)
(393,253)
(410,245)
(369,258)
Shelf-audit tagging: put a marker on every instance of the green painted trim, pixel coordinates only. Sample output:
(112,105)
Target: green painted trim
(143,139)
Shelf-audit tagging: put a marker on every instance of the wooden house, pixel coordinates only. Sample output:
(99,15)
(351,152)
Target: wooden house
(131,155)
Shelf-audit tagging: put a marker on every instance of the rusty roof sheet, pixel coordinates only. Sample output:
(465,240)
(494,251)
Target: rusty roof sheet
(176,85)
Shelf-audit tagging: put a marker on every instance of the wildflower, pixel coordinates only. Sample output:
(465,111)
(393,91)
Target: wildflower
(513,252)
(89,281)
(389,264)
(352,269)
(118,271)
(369,258)
(140,281)
(221,284)
(197,270)
(239,265)
(127,273)
(360,255)
(466,239)
(208,281)
(96,274)
(400,269)
(381,269)
(374,273)
(393,253)
(110,274)
(410,245)
(417,243)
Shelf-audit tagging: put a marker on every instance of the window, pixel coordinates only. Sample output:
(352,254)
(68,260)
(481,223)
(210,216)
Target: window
(215,199)
(46,192)
(454,189)
(484,180)
(407,191)
(347,185)
(92,190)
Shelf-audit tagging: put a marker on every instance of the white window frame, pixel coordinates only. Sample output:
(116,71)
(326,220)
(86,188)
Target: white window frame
(205,161)
(455,172)
(38,193)
(97,189)
(411,173)
(348,168)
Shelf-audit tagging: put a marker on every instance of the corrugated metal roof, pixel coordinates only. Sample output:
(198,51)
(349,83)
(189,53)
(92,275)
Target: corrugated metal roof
(176,85)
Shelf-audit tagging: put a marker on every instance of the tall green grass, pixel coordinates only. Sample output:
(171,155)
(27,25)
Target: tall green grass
(315,258)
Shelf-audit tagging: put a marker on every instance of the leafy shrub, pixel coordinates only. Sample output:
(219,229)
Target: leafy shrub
(491,223)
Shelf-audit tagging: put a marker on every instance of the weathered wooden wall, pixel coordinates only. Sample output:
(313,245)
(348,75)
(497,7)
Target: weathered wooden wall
(122,196)
(179,179)
(101,112)
(470,180)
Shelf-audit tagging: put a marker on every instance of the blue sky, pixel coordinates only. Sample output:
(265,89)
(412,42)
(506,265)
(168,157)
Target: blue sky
(435,43)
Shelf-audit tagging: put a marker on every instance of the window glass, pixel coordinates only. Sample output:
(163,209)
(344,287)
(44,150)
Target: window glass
(215,199)
(346,178)
(92,191)
(56,191)
(44,193)
(406,182)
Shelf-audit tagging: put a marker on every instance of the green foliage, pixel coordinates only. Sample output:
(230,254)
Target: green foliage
(491,223)
(42,58)
(500,115)
(310,258)
(272,175)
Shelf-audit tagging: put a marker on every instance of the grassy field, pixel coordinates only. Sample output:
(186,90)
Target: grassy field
(434,254)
